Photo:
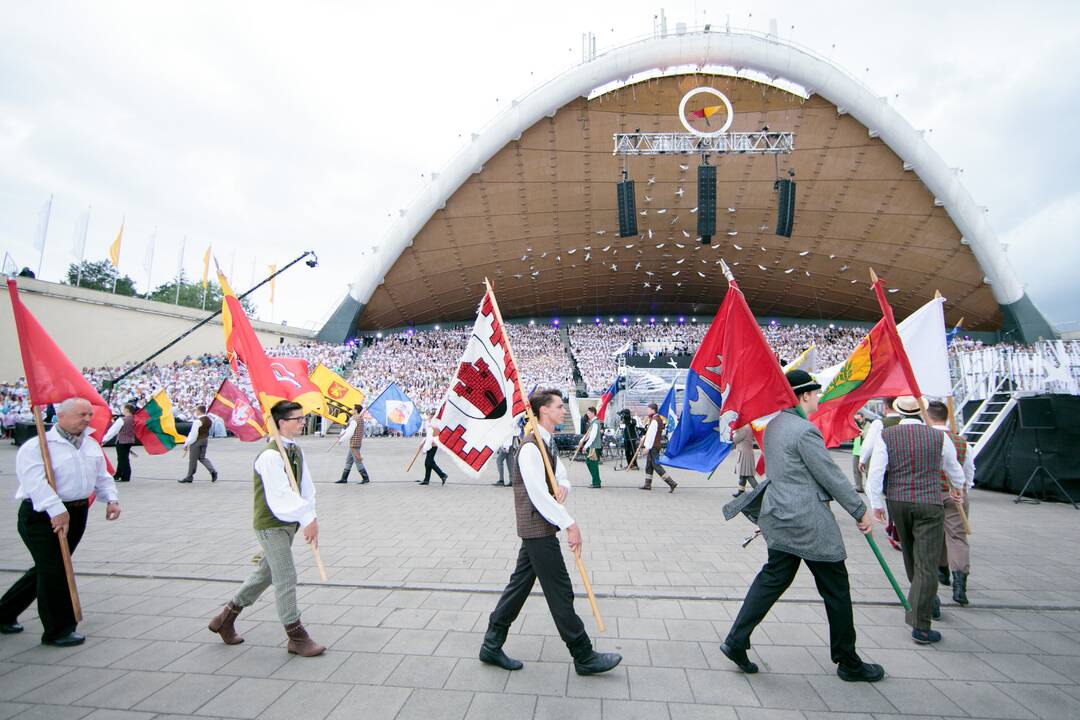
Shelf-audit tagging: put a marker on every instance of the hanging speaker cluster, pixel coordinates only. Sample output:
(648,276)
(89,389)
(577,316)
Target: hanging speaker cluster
(627,208)
(785,209)
(706,202)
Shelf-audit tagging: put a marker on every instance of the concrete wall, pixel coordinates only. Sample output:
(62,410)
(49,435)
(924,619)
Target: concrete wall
(96,328)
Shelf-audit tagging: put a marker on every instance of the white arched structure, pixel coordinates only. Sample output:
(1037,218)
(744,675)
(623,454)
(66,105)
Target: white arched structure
(741,50)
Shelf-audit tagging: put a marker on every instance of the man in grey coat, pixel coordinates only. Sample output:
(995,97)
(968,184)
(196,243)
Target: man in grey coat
(798,526)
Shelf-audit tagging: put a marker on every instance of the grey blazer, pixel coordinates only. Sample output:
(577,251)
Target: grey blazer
(796,516)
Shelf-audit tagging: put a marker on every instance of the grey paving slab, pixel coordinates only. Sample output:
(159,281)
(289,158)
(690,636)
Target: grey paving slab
(634,710)
(73,684)
(370,701)
(425,704)
(111,714)
(307,700)
(128,690)
(186,694)
(245,698)
(556,708)
(491,706)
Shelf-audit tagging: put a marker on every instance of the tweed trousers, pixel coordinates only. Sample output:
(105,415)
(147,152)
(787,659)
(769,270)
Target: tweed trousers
(277,568)
(922,532)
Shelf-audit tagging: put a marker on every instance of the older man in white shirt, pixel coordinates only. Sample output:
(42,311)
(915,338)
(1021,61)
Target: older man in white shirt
(44,513)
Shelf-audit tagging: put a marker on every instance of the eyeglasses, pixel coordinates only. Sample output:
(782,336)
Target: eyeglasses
(298,417)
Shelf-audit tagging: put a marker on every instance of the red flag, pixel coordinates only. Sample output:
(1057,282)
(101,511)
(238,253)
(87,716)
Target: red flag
(879,367)
(607,397)
(50,376)
(280,379)
(734,378)
(484,398)
(233,407)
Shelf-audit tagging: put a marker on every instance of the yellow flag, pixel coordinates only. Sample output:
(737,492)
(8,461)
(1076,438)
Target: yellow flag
(206,266)
(273,269)
(114,249)
(338,395)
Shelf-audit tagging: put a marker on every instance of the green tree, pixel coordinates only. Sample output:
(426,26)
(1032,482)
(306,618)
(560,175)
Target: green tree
(191,295)
(99,275)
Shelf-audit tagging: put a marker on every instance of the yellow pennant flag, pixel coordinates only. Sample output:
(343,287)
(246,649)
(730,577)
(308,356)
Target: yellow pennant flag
(273,269)
(114,249)
(206,265)
(339,395)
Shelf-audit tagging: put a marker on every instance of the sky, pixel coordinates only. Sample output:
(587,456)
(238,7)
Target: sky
(264,129)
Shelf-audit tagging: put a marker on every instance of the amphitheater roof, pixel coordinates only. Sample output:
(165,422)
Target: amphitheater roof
(546,201)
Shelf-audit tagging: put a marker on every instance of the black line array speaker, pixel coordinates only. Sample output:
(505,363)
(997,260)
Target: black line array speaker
(785,209)
(624,192)
(706,202)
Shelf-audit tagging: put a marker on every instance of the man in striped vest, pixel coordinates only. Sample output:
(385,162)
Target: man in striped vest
(905,475)
(955,553)
(354,433)
(540,516)
(654,437)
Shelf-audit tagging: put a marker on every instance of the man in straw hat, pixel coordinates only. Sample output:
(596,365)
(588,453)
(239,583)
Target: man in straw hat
(798,526)
(905,476)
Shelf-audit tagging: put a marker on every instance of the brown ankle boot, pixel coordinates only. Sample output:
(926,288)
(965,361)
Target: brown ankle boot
(671,483)
(223,624)
(648,483)
(300,643)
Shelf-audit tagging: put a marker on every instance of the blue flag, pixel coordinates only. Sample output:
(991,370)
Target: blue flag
(667,408)
(394,409)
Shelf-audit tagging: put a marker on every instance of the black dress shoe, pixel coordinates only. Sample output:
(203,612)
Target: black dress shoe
(925,637)
(213,477)
(342,481)
(425,482)
(497,482)
(867,672)
(70,640)
(739,658)
(184,481)
(444,479)
(10,628)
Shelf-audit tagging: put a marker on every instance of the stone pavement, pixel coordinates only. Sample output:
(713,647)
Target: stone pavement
(413,573)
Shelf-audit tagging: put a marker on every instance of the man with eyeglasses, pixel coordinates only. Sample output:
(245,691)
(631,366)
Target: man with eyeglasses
(279,512)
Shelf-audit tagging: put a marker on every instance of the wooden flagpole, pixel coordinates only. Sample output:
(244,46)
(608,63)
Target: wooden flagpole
(65,551)
(418,449)
(272,427)
(638,449)
(532,421)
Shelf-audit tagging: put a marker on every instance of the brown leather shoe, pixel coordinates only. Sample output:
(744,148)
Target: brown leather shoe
(223,624)
(671,484)
(300,643)
(647,485)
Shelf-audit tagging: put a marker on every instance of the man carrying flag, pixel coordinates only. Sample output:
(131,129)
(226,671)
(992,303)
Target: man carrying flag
(354,435)
(197,442)
(654,437)
(56,478)
(799,526)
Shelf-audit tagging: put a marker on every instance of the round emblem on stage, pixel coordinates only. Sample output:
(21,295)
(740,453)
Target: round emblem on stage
(701,122)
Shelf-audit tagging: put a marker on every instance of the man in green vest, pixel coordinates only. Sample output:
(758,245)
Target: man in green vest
(279,512)
(591,442)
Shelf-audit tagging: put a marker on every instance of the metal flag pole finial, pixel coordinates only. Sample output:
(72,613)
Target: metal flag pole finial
(727,271)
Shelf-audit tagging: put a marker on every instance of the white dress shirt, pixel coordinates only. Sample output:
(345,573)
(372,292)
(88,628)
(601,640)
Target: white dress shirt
(113,430)
(650,435)
(875,480)
(347,433)
(873,434)
(193,433)
(429,437)
(286,505)
(533,474)
(78,472)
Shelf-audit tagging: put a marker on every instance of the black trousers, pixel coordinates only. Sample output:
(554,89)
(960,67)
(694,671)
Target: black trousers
(430,464)
(123,463)
(629,447)
(541,558)
(46,581)
(774,579)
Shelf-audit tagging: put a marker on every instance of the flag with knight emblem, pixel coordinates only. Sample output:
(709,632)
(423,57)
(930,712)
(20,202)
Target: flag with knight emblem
(484,399)
(237,412)
(339,397)
(734,378)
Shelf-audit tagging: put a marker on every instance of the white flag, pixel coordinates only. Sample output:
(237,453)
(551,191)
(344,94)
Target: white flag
(78,245)
(923,335)
(43,225)
(148,259)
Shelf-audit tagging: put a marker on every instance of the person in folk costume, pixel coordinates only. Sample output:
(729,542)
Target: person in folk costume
(654,437)
(955,552)
(540,516)
(354,434)
(744,458)
(430,447)
(592,441)
(505,456)
(79,470)
(278,513)
(798,525)
(905,476)
(123,429)
(197,442)
(630,437)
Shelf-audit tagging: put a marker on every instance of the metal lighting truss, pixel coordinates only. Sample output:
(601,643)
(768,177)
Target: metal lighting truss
(751,143)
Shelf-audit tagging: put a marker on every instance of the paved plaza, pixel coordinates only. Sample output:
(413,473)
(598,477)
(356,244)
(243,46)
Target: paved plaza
(414,571)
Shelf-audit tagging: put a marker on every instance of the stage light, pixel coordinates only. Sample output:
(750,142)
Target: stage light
(625,320)
(639,319)
(579,321)
(598,321)
(378,335)
(436,327)
(665,319)
(682,320)
(555,322)
(531,323)
(652,321)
